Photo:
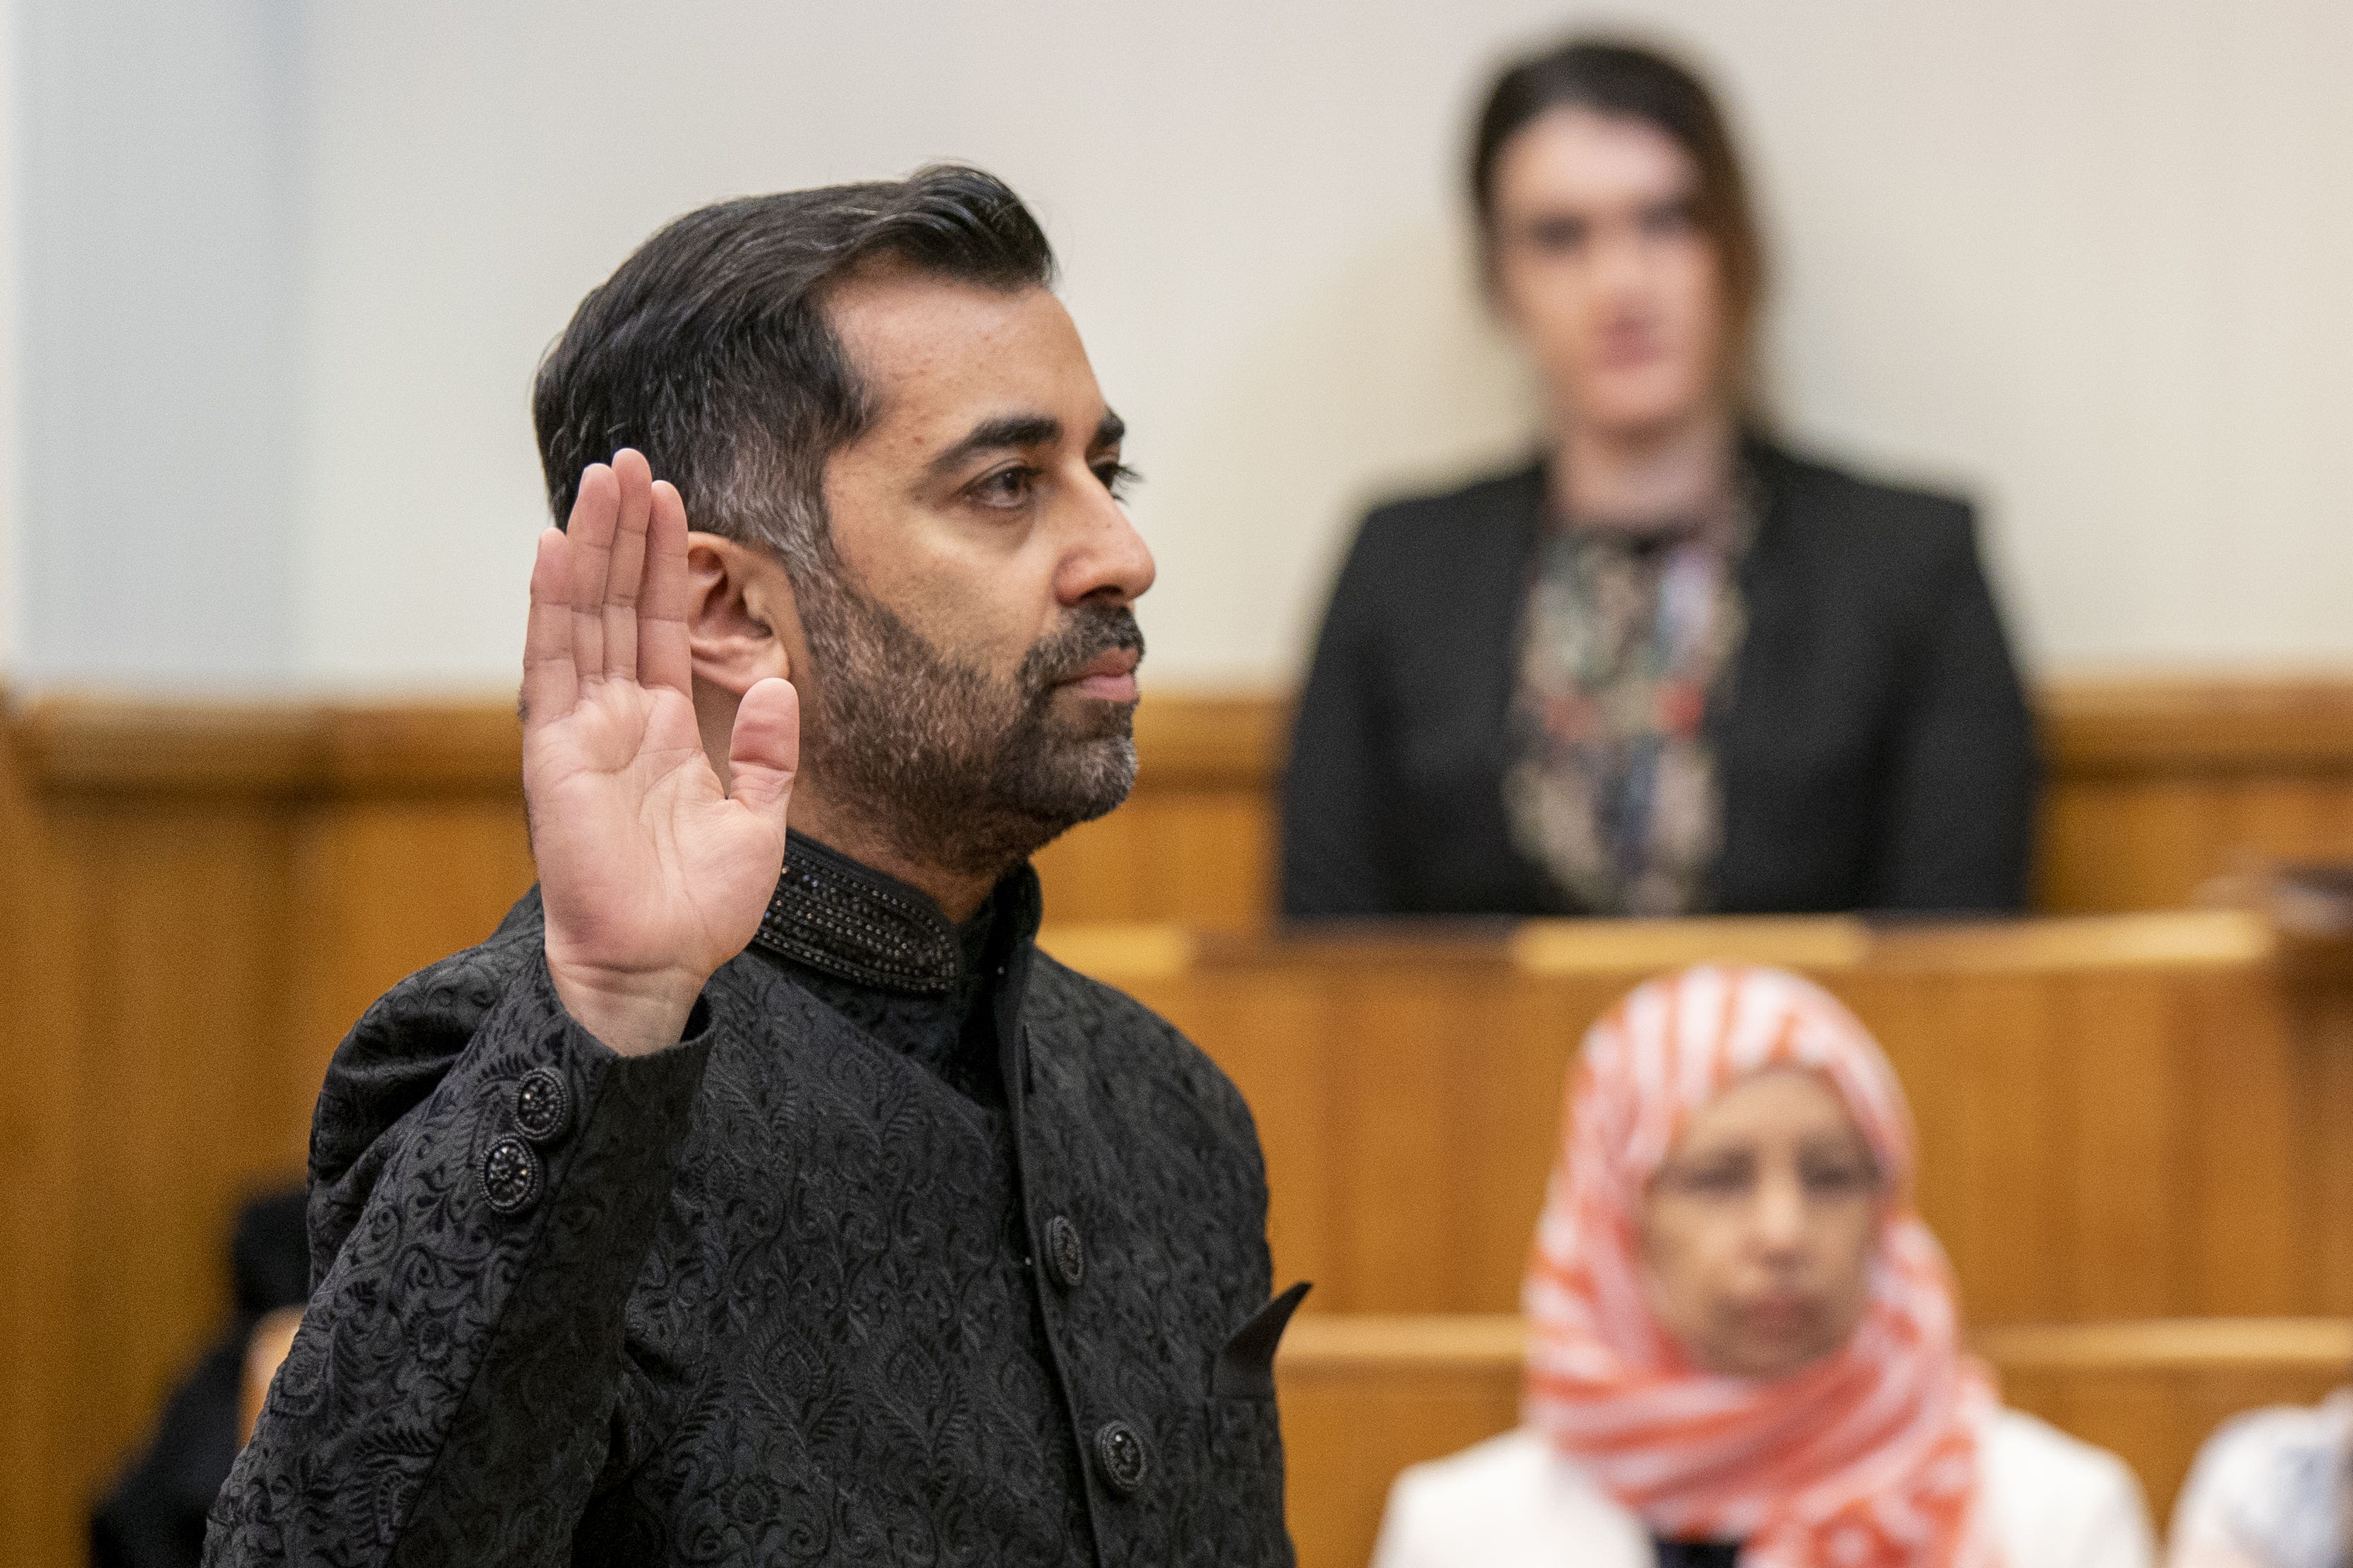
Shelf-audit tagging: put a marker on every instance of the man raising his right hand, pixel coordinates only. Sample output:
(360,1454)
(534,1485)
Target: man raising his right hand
(766,1196)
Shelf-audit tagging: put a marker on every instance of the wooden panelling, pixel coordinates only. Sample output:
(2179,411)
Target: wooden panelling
(194,905)
(1195,843)
(38,1256)
(177,1101)
(2116,1118)
(2157,787)
(2154,789)
(197,901)
(1363,1399)
(386,887)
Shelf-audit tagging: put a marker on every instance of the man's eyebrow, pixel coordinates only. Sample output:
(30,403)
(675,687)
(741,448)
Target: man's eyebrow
(1006,432)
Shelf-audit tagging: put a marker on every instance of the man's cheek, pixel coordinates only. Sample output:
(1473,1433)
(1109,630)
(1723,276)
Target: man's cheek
(966,634)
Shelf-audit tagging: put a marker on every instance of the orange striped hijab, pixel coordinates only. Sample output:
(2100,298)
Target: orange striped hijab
(1868,1458)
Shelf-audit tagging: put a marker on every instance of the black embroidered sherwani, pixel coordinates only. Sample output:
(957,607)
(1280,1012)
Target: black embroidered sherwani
(919,1248)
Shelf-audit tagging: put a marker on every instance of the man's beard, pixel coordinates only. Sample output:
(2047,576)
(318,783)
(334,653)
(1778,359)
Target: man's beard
(951,766)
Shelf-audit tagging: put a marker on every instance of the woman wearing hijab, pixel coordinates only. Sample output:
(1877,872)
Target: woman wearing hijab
(1743,1343)
(1670,666)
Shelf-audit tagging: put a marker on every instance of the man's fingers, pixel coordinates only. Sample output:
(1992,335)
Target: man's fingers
(596,512)
(665,657)
(622,578)
(764,751)
(549,687)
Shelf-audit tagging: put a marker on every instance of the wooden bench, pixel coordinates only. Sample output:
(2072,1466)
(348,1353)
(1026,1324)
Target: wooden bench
(1363,1397)
(2137,1115)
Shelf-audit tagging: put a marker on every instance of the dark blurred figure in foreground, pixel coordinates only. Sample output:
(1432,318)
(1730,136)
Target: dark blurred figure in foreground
(154,1517)
(1669,666)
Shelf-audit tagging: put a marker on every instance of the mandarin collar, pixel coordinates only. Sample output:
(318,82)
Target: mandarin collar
(847,920)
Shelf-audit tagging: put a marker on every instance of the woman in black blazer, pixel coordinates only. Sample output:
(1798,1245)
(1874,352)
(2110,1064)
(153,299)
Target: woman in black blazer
(1670,667)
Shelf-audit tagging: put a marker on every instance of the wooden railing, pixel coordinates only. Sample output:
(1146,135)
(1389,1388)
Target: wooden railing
(2154,788)
(1364,1398)
(2128,1116)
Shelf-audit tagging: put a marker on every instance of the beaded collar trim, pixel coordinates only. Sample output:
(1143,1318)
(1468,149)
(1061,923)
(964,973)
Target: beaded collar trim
(840,919)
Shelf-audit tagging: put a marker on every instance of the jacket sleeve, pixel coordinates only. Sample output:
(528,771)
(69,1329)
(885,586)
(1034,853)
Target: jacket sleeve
(448,1398)
(1336,853)
(1957,832)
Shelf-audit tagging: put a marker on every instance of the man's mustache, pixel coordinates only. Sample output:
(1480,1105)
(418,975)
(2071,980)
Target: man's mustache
(1089,634)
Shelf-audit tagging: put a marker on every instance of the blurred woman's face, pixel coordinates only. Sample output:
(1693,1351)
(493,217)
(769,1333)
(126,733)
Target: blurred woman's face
(1760,1231)
(1602,268)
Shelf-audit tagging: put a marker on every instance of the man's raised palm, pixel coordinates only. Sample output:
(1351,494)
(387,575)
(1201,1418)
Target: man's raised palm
(653,873)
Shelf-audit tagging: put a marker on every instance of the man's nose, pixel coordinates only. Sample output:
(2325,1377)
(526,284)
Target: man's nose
(1106,559)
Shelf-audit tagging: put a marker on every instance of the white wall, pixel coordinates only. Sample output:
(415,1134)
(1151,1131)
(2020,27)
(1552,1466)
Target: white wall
(159,256)
(11,501)
(2087,257)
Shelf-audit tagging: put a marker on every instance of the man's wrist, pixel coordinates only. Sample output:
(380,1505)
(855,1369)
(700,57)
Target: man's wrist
(633,1015)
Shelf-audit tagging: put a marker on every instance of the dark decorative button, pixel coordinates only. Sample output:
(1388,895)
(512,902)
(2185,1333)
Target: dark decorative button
(542,1104)
(509,1175)
(1064,1252)
(1119,1451)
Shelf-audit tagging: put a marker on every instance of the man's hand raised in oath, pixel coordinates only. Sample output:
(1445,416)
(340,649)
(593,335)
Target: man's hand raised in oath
(652,871)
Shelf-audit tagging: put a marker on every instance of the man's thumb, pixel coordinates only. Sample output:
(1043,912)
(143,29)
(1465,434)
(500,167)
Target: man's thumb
(764,750)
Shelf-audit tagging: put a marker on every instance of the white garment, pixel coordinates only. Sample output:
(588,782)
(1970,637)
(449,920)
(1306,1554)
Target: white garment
(1515,1502)
(2269,1491)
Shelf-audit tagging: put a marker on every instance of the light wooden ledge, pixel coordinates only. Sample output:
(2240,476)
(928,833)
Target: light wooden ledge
(2217,724)
(1211,739)
(2321,1346)
(1341,1345)
(96,743)
(1189,739)
(2186,939)
(2171,940)
(1614,947)
(1138,952)
(107,746)
(1345,1343)
(1132,950)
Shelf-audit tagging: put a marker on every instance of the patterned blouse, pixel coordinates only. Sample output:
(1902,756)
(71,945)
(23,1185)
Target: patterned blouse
(1612,786)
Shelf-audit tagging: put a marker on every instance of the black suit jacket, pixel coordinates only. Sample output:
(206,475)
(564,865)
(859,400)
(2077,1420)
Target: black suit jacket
(1875,748)
(776,1295)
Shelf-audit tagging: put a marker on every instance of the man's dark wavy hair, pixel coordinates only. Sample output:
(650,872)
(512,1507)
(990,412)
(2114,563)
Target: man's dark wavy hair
(710,349)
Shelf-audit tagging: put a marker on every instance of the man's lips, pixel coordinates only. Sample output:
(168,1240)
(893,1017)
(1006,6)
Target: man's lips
(1109,677)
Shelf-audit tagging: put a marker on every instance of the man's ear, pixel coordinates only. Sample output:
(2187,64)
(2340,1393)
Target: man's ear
(742,620)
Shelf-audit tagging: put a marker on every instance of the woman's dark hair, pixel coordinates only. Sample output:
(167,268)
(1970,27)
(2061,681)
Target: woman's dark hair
(1630,81)
(710,349)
